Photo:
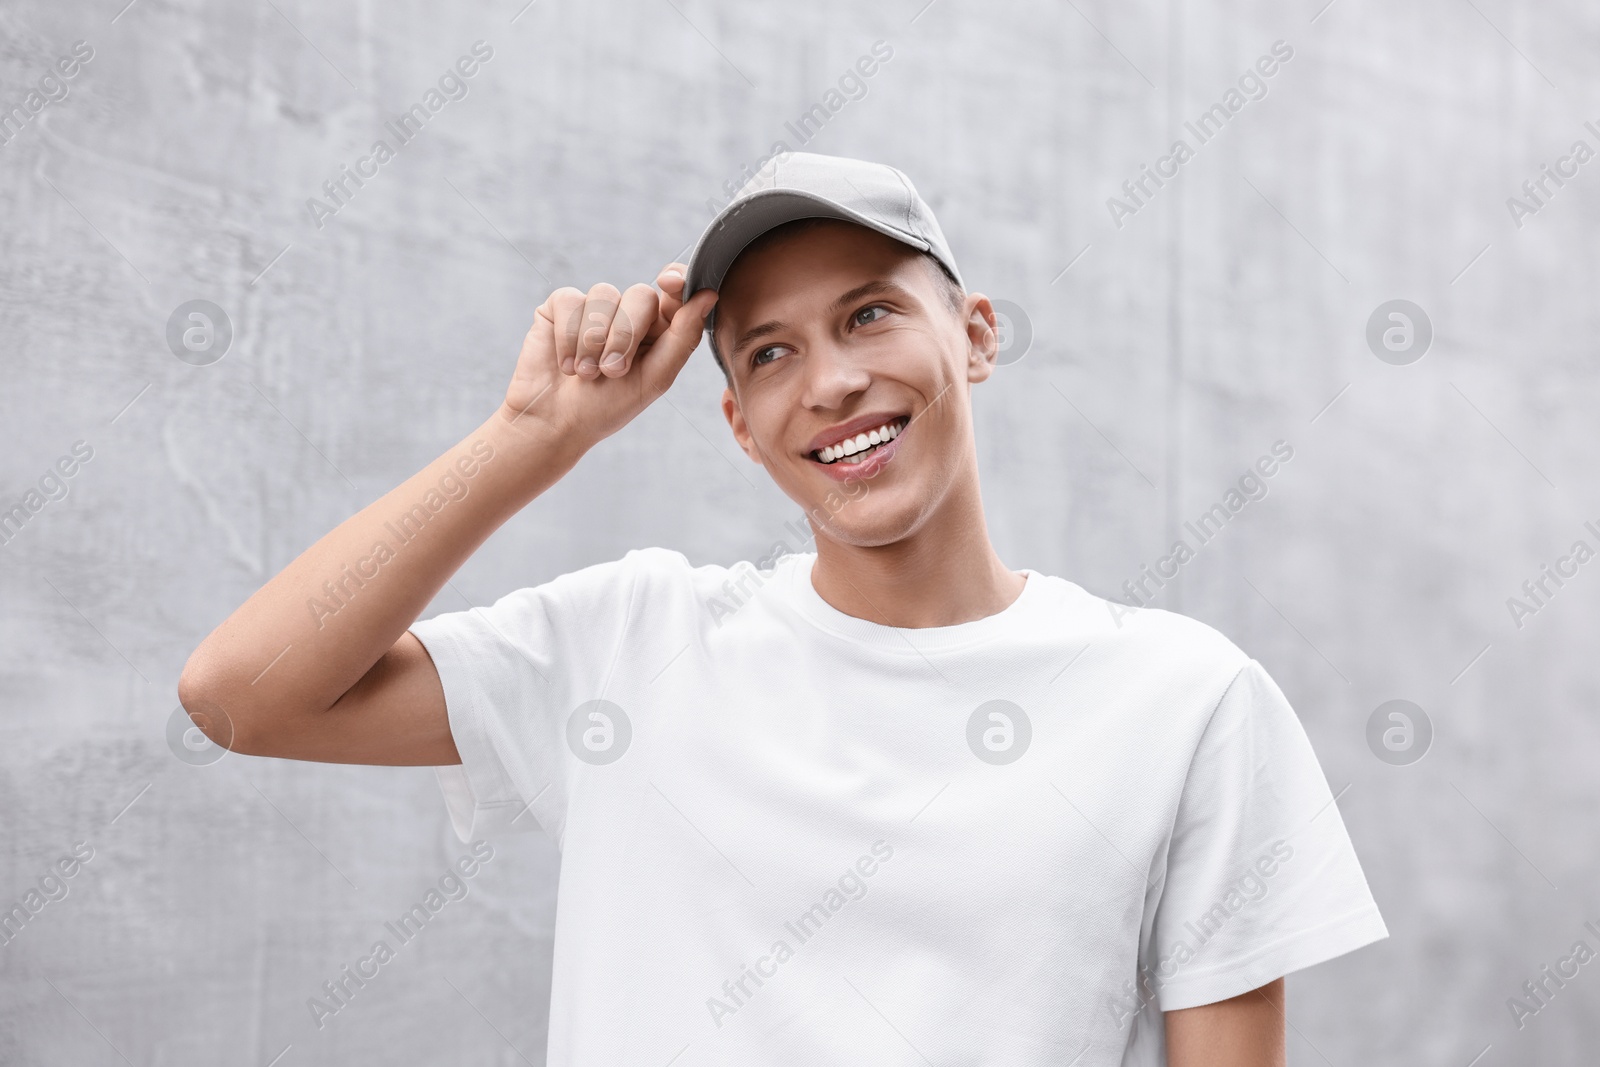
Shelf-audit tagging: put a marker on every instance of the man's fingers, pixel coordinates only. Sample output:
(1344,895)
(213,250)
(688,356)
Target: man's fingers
(594,324)
(565,308)
(669,353)
(670,280)
(539,343)
(635,315)
(591,327)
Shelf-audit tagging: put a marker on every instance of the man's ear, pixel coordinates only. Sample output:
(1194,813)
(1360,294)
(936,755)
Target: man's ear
(741,432)
(983,337)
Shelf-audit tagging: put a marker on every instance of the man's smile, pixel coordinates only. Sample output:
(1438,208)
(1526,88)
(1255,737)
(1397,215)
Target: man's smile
(858,448)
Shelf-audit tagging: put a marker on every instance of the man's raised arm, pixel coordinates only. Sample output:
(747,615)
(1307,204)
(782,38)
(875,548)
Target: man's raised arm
(318,663)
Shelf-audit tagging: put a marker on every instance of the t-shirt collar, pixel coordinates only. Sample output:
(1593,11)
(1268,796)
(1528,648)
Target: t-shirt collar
(803,596)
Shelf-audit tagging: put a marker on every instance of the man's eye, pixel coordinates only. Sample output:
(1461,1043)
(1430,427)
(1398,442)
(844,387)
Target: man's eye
(871,307)
(756,359)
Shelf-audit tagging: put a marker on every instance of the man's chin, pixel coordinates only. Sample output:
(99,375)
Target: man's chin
(863,522)
(863,511)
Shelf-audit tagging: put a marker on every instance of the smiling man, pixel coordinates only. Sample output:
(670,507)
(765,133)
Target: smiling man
(887,801)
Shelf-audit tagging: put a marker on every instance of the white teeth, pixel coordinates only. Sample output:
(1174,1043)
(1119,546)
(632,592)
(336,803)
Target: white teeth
(860,443)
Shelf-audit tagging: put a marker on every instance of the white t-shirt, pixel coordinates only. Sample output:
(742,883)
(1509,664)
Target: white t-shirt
(793,836)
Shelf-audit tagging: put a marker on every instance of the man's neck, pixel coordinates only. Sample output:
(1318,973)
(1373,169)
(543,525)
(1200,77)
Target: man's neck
(945,574)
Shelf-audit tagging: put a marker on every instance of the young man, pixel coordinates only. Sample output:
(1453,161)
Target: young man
(887,801)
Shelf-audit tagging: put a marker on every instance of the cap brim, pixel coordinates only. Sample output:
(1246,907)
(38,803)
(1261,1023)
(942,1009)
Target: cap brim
(742,222)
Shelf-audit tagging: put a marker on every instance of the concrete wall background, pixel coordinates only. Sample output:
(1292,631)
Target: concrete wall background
(1226,314)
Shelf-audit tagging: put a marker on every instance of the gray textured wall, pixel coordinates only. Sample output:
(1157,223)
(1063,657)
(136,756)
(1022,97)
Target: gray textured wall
(1227,312)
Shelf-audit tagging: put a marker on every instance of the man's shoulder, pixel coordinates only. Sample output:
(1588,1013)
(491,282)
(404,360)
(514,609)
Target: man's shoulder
(655,576)
(1152,639)
(669,564)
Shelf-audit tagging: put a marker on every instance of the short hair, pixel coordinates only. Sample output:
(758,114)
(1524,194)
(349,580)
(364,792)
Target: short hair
(950,289)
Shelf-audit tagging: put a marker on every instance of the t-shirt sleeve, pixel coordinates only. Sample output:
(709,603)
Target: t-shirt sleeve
(1261,878)
(513,675)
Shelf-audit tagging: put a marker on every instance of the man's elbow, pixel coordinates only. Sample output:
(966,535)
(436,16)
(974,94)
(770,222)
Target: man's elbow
(206,694)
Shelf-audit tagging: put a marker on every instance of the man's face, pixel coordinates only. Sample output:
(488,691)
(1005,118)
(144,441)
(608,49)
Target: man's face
(836,331)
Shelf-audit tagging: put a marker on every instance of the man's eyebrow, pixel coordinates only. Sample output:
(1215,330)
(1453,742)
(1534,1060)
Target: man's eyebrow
(872,288)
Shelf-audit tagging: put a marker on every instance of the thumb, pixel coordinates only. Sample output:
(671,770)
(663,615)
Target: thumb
(672,349)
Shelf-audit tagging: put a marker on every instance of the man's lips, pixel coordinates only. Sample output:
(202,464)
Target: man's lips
(866,423)
(847,468)
(867,468)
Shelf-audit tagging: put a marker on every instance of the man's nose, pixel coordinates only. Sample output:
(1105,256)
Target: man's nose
(833,374)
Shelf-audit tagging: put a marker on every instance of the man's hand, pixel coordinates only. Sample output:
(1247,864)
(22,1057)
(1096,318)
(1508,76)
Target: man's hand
(592,361)
(297,675)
